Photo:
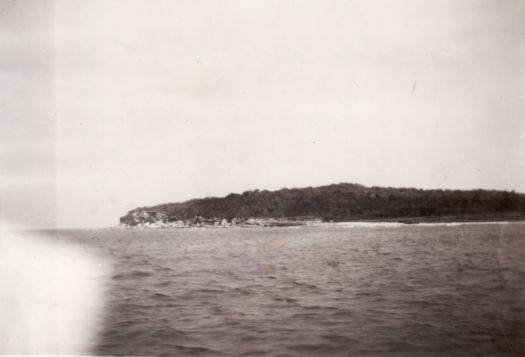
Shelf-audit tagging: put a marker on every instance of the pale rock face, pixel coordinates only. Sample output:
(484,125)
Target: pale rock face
(151,219)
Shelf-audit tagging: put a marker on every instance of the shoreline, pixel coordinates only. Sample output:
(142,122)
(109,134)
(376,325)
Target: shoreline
(348,224)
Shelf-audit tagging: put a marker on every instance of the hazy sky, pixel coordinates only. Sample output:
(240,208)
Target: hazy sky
(110,105)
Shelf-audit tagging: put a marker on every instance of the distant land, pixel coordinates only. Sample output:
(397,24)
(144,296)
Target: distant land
(333,203)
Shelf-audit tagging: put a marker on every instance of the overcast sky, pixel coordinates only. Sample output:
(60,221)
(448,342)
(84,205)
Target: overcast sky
(110,105)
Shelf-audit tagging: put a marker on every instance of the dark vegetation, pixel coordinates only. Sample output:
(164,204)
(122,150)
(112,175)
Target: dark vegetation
(351,202)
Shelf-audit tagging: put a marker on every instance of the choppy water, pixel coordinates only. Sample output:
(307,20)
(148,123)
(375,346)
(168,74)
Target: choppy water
(328,290)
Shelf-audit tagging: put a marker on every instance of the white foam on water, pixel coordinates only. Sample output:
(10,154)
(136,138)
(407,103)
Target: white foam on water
(466,223)
(51,295)
(365,224)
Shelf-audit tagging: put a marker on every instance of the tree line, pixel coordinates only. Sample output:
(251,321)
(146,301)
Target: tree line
(347,202)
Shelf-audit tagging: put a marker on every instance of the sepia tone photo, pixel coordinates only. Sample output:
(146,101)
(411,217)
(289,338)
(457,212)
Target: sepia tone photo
(262,178)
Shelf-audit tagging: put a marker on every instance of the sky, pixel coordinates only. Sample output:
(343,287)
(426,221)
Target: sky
(106,106)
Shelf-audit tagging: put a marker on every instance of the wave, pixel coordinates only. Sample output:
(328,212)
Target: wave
(132,275)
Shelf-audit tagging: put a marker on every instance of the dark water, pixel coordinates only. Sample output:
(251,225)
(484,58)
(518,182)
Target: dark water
(310,291)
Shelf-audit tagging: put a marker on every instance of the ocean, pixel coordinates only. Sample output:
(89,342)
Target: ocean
(338,290)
